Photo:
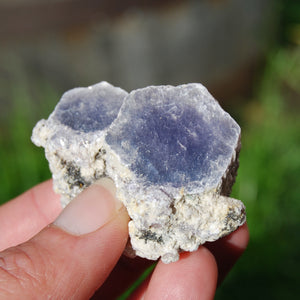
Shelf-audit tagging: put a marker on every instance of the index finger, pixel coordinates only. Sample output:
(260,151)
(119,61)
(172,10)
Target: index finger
(24,216)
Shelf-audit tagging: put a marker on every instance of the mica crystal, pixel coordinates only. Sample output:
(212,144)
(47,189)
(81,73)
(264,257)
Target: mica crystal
(172,153)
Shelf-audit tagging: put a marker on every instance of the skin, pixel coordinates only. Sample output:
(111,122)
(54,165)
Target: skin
(41,261)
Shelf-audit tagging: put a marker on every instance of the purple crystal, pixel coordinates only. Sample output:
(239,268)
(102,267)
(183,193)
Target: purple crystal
(174,135)
(90,109)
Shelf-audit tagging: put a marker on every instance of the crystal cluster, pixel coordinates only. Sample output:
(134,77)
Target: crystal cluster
(172,153)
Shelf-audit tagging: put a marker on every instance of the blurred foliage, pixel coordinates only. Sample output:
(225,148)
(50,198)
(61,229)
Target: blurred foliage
(22,164)
(268,183)
(290,21)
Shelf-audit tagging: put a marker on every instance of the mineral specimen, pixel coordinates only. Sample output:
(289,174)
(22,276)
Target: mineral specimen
(171,151)
(73,137)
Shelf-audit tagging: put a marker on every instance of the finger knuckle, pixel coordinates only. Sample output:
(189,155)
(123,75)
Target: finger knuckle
(20,270)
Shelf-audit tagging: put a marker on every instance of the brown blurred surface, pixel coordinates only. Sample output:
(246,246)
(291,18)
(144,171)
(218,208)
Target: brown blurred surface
(19,18)
(135,43)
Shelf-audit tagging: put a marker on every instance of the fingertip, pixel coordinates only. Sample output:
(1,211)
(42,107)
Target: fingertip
(29,212)
(193,276)
(239,238)
(207,269)
(89,211)
(228,249)
(45,199)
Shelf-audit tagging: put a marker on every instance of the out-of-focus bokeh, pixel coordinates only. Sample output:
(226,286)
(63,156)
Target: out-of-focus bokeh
(246,52)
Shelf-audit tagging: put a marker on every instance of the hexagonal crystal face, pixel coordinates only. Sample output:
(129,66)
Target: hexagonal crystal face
(174,135)
(90,109)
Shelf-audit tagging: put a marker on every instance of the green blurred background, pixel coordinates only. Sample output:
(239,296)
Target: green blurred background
(247,53)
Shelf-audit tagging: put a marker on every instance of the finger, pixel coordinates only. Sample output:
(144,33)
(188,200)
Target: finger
(126,272)
(227,250)
(24,216)
(194,276)
(71,258)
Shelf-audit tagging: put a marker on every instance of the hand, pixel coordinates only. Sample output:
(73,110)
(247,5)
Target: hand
(81,251)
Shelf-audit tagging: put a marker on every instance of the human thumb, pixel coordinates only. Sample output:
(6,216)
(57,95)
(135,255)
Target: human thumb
(72,257)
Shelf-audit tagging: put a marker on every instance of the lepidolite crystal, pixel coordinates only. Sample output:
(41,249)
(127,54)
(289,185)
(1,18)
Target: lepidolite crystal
(172,153)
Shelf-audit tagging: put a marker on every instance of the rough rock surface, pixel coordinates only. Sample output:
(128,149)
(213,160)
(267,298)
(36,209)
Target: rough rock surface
(171,151)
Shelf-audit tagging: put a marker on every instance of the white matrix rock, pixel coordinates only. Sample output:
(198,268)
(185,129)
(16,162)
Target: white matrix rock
(172,153)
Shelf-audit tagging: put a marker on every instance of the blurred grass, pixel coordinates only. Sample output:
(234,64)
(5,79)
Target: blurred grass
(22,164)
(268,179)
(268,183)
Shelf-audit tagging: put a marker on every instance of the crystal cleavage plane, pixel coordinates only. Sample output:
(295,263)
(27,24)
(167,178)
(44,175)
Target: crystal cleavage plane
(172,153)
